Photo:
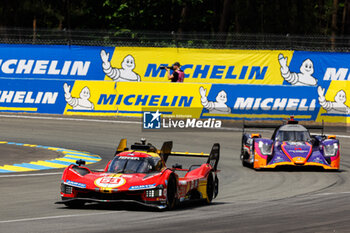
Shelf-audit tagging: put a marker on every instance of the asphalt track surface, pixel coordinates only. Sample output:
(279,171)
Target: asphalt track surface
(248,201)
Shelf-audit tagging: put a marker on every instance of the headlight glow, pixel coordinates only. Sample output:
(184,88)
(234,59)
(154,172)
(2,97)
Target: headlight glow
(66,189)
(154,193)
(330,150)
(265,148)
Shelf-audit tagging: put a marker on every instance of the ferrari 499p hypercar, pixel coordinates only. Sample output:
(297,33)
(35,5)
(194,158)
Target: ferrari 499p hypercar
(290,145)
(140,175)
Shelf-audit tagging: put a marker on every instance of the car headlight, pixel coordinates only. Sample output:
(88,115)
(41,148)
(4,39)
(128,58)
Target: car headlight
(66,189)
(331,149)
(154,193)
(265,148)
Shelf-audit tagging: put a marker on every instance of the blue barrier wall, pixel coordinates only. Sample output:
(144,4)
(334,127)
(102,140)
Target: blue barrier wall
(71,80)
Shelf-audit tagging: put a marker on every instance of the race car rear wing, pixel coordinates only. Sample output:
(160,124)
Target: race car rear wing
(274,126)
(213,156)
(165,151)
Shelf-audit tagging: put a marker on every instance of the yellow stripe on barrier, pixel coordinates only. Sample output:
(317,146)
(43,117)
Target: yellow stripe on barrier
(18,109)
(256,116)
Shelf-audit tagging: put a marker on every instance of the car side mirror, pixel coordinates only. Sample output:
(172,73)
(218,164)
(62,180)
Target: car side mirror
(80,162)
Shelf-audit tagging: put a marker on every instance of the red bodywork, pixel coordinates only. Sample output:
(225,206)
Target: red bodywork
(79,184)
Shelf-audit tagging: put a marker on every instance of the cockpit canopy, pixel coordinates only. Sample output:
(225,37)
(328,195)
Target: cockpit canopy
(294,133)
(133,164)
(295,136)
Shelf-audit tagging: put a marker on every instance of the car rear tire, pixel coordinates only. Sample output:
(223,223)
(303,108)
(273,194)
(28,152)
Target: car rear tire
(245,156)
(210,188)
(171,192)
(216,187)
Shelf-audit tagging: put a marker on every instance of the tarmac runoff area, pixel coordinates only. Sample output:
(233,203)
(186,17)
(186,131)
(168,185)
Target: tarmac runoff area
(20,157)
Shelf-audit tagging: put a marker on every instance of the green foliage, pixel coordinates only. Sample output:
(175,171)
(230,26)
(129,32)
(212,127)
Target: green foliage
(229,16)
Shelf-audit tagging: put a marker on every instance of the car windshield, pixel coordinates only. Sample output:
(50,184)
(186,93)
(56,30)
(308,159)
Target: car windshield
(293,136)
(128,165)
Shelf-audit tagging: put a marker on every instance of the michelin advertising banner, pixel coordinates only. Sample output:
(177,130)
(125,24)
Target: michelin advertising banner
(137,64)
(124,81)
(53,62)
(221,101)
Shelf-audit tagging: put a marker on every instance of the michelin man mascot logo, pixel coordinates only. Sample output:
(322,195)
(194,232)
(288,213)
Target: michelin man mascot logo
(337,106)
(304,78)
(124,74)
(215,107)
(82,103)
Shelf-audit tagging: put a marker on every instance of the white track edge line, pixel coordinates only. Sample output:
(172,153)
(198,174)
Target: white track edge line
(34,174)
(70,119)
(52,217)
(328,194)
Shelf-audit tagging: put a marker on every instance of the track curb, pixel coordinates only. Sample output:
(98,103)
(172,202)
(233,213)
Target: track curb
(70,156)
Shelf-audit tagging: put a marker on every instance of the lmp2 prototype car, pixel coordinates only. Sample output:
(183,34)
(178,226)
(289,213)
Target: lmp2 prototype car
(290,145)
(140,175)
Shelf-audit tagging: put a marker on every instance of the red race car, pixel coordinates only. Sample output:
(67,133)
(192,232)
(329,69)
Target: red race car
(140,175)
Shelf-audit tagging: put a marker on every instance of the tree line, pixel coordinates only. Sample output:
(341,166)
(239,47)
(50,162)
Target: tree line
(295,17)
